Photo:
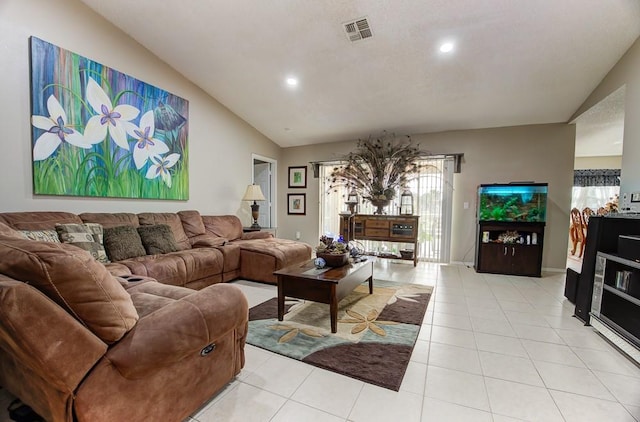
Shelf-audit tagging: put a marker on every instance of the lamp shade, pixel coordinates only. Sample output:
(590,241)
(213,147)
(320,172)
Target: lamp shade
(253,193)
(352,198)
(406,203)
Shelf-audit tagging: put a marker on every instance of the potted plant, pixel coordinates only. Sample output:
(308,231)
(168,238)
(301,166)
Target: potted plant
(378,168)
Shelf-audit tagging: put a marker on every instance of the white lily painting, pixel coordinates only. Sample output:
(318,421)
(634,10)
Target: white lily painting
(99,132)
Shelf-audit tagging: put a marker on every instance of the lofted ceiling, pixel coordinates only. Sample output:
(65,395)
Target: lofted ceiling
(513,62)
(600,129)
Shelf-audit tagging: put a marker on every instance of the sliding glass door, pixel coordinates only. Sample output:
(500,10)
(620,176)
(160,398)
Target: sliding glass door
(432,198)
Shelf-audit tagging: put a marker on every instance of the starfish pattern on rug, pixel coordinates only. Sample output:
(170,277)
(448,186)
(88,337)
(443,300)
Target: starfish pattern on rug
(403,294)
(366,322)
(292,332)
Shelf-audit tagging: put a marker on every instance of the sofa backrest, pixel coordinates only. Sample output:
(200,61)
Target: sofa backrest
(74,280)
(192,223)
(46,352)
(227,226)
(38,220)
(108,219)
(170,219)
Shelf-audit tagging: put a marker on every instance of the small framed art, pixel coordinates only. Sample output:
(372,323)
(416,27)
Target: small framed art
(297,203)
(298,177)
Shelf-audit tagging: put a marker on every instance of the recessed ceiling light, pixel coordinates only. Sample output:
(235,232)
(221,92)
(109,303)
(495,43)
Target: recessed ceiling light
(292,81)
(446,47)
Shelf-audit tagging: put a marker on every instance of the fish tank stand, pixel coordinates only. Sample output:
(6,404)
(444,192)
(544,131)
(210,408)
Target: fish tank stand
(513,248)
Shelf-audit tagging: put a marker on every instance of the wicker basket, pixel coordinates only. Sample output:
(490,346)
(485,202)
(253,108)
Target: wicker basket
(334,260)
(406,253)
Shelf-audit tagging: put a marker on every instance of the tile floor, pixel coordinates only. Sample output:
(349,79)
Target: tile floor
(491,348)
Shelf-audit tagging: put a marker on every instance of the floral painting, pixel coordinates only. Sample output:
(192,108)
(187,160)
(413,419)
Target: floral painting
(99,132)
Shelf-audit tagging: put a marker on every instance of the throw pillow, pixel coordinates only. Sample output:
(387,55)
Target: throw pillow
(86,236)
(123,242)
(41,235)
(157,239)
(170,219)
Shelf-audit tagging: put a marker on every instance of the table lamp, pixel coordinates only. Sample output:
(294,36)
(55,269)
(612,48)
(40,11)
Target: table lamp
(352,201)
(254,194)
(406,203)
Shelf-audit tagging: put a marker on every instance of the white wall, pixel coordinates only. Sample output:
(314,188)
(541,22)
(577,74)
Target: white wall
(625,72)
(541,153)
(220,143)
(604,162)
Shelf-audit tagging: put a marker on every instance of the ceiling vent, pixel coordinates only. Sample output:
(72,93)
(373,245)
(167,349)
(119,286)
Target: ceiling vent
(358,30)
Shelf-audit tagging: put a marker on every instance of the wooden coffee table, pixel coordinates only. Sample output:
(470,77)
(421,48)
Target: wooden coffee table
(303,281)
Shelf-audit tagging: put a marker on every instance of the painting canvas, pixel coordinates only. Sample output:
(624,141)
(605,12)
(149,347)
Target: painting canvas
(101,133)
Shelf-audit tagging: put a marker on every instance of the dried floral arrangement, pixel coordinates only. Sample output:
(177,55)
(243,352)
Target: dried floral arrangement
(612,206)
(328,245)
(510,236)
(378,168)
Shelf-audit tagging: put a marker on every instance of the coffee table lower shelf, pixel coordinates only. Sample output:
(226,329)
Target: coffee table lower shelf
(300,281)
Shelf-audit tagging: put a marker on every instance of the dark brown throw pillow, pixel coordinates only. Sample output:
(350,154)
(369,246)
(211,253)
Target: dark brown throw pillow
(123,242)
(157,239)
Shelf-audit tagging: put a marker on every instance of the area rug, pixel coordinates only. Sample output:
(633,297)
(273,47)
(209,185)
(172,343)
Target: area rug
(375,337)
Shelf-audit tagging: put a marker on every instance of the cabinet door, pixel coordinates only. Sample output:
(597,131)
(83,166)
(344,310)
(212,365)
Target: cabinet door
(524,259)
(494,258)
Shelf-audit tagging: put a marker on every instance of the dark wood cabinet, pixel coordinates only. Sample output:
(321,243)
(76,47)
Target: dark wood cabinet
(510,248)
(615,305)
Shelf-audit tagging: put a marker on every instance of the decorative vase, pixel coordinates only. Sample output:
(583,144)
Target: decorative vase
(380,205)
(334,259)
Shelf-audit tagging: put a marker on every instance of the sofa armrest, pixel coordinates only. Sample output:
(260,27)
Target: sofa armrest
(207,241)
(180,330)
(44,337)
(257,235)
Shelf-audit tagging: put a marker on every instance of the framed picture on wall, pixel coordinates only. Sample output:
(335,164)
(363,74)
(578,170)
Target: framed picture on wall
(298,177)
(99,132)
(297,204)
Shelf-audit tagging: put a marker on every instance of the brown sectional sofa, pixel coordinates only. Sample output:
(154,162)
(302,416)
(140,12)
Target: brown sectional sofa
(212,249)
(84,341)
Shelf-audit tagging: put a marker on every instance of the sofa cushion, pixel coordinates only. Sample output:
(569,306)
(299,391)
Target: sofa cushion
(7,231)
(87,236)
(41,235)
(123,242)
(192,223)
(207,241)
(178,268)
(170,219)
(227,226)
(74,280)
(157,239)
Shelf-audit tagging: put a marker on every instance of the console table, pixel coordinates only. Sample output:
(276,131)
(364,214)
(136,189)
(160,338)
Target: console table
(385,228)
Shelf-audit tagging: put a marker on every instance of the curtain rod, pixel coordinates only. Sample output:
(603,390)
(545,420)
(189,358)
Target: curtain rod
(457,162)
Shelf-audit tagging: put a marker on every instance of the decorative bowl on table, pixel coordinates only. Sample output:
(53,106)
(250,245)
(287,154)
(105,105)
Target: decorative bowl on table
(334,259)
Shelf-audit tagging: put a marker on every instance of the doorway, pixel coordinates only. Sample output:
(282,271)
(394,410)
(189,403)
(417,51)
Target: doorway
(597,166)
(264,175)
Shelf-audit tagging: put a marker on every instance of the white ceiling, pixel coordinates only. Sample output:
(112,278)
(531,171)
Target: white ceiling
(514,62)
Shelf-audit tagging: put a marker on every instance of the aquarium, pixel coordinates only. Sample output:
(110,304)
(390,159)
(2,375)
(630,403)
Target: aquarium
(513,202)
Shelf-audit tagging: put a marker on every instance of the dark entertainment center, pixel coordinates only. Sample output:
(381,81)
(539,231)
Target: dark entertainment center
(611,256)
